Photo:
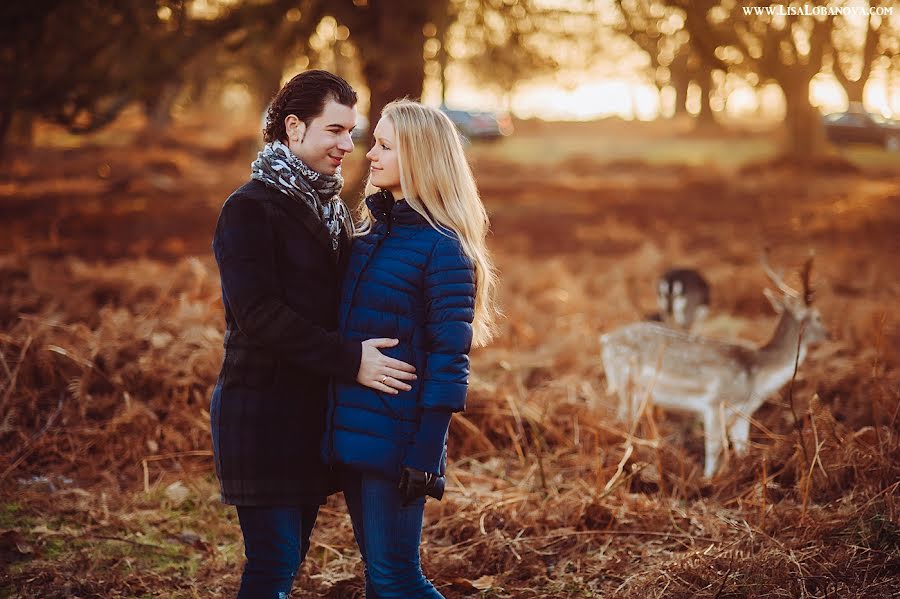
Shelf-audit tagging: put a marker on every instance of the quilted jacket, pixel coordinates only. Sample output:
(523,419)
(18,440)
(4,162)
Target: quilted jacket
(409,281)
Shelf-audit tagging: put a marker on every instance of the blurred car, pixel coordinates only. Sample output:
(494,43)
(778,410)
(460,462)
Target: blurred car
(472,124)
(859,126)
(480,124)
(361,130)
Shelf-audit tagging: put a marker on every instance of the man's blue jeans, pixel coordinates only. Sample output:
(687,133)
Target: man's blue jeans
(388,536)
(276,540)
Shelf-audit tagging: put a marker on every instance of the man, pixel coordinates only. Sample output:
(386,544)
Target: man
(281,244)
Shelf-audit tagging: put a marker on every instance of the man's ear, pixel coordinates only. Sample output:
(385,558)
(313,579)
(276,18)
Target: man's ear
(294,127)
(776,302)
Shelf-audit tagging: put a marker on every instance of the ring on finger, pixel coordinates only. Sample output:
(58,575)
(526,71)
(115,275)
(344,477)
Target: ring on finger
(383,379)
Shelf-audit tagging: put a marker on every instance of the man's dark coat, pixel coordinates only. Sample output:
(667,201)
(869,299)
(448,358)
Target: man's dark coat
(280,287)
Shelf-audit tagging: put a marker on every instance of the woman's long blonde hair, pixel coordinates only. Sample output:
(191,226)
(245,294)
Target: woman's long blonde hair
(438,184)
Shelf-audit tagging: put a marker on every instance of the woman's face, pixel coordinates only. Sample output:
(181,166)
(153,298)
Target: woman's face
(385,169)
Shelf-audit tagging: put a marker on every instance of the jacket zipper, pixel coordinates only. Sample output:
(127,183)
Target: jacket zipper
(342,329)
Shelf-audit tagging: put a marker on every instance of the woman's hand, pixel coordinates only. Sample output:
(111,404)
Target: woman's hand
(381,372)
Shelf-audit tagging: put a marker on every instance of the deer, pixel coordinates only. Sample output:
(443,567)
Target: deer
(682,295)
(725,383)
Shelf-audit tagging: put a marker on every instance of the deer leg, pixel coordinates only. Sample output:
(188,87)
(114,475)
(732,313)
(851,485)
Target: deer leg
(624,387)
(621,408)
(626,410)
(739,432)
(712,433)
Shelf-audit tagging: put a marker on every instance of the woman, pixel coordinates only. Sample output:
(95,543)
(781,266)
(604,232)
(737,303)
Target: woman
(420,272)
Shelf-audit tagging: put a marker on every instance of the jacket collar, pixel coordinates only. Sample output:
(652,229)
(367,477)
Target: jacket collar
(385,209)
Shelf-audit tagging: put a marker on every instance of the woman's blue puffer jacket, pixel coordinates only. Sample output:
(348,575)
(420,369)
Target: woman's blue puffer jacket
(408,281)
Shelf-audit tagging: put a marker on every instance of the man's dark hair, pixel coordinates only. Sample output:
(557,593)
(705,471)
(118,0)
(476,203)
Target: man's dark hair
(305,96)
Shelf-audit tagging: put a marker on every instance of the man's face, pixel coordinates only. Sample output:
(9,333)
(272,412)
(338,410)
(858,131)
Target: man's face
(323,144)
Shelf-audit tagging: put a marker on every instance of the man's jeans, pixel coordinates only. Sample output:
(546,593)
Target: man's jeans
(276,540)
(388,537)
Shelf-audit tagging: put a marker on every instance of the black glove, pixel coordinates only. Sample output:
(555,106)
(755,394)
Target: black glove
(415,483)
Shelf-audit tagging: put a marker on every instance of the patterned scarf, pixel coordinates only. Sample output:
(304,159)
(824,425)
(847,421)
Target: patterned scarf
(277,167)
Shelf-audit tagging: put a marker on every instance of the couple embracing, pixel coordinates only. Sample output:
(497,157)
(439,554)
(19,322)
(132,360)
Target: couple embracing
(346,344)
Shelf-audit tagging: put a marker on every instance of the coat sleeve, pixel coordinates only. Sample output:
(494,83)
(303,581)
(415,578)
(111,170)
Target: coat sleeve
(449,312)
(244,247)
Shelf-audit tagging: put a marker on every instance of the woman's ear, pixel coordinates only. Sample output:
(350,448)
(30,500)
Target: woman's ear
(295,128)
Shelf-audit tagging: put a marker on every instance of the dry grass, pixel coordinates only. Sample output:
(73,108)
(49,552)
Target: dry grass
(106,369)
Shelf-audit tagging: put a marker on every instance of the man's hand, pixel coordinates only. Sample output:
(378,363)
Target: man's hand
(415,483)
(381,372)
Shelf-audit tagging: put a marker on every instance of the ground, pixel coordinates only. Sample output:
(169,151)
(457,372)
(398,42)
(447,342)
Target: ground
(110,342)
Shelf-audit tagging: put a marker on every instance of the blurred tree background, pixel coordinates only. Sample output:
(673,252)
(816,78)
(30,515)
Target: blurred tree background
(79,63)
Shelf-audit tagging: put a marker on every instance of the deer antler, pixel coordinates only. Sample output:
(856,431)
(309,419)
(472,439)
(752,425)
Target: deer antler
(776,278)
(805,277)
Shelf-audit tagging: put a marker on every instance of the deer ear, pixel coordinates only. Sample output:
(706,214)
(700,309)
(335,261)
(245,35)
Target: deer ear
(701,313)
(777,303)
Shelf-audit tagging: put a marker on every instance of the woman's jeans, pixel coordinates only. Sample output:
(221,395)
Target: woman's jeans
(388,537)
(276,540)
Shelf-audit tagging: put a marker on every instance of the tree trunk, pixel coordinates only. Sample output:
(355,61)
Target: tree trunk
(443,59)
(680,80)
(391,82)
(442,24)
(21,130)
(158,110)
(266,83)
(893,67)
(855,87)
(16,130)
(393,63)
(806,135)
(854,90)
(681,92)
(705,118)
(5,122)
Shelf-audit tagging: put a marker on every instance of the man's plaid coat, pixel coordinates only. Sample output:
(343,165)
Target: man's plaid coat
(280,288)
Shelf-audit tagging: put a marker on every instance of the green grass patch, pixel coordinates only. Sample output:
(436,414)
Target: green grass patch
(55,548)
(871,157)
(149,536)
(726,152)
(11,516)
(555,149)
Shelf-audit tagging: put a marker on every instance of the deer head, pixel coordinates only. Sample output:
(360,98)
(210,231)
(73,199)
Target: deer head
(796,304)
